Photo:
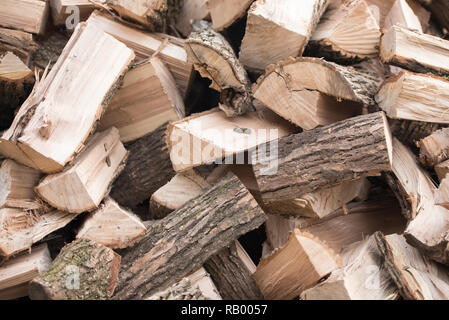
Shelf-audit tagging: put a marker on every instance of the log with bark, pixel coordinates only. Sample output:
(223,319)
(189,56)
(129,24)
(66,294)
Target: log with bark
(26,15)
(434,149)
(21,43)
(225,12)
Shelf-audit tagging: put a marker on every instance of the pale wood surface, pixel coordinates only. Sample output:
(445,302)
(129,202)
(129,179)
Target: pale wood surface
(402,15)
(26,15)
(191,10)
(225,12)
(434,148)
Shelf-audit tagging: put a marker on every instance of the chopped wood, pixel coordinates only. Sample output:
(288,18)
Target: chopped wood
(307,91)
(112,226)
(21,43)
(213,57)
(442,194)
(147,169)
(411,132)
(402,15)
(362,277)
(84,270)
(17,184)
(415,51)
(278,29)
(416,276)
(348,31)
(434,149)
(26,15)
(442,169)
(232,278)
(204,282)
(212,221)
(190,11)
(16,273)
(147,99)
(225,12)
(146,44)
(83,185)
(61,10)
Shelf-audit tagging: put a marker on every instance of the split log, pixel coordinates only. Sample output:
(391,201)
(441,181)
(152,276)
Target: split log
(204,282)
(26,15)
(112,226)
(442,169)
(147,169)
(213,57)
(146,100)
(326,157)
(307,91)
(16,273)
(278,29)
(88,177)
(165,254)
(190,11)
(17,184)
(402,15)
(298,265)
(416,277)
(442,194)
(83,270)
(214,136)
(61,10)
(232,278)
(415,51)
(225,12)
(46,139)
(172,196)
(411,132)
(146,44)
(362,277)
(21,43)
(434,149)
(347,32)
(20,229)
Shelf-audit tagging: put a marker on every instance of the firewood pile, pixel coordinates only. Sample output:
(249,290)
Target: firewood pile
(224,149)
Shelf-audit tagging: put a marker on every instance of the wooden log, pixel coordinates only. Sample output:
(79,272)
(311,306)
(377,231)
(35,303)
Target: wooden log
(303,91)
(17,184)
(165,254)
(147,99)
(276,30)
(442,169)
(298,265)
(173,195)
(190,11)
(26,15)
(112,226)
(61,10)
(362,277)
(434,149)
(16,273)
(416,276)
(83,270)
(47,140)
(147,169)
(214,136)
(203,280)
(400,98)
(232,278)
(411,132)
(82,186)
(348,31)
(146,44)
(20,229)
(402,15)
(225,12)
(21,43)
(441,195)
(353,148)
(50,48)
(213,57)
(415,51)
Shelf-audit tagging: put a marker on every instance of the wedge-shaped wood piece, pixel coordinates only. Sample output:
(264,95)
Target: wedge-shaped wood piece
(112,226)
(16,273)
(442,169)
(213,57)
(62,10)
(326,157)
(434,148)
(82,186)
(362,277)
(190,11)
(146,44)
(212,221)
(225,12)
(413,96)
(147,99)
(278,29)
(416,276)
(415,51)
(298,265)
(83,270)
(17,184)
(26,15)
(20,229)
(214,136)
(53,123)
(307,91)
(348,31)
(402,15)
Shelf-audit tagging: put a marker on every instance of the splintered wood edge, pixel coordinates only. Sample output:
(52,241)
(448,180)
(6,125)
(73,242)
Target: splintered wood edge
(345,54)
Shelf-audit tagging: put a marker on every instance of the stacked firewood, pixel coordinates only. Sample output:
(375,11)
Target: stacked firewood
(221,149)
